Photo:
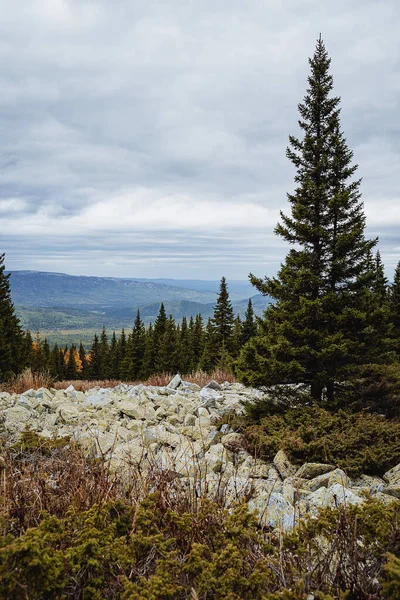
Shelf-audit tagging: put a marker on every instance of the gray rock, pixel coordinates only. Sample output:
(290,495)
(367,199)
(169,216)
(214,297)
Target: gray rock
(311,470)
(392,477)
(175,382)
(283,465)
(213,385)
(393,490)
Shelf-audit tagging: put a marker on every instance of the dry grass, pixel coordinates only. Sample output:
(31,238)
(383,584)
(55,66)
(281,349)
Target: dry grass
(27,380)
(162,379)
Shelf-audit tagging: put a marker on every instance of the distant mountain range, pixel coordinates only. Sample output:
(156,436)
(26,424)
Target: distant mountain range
(71,308)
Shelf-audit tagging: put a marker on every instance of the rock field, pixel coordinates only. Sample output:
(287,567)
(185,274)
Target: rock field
(176,428)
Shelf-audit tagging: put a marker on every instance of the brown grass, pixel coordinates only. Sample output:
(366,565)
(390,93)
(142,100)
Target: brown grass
(29,379)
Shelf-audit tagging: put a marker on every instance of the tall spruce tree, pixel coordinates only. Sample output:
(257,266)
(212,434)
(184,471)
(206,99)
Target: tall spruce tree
(319,321)
(138,348)
(223,318)
(11,336)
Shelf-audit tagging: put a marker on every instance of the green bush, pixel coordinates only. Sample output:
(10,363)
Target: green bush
(356,442)
(148,552)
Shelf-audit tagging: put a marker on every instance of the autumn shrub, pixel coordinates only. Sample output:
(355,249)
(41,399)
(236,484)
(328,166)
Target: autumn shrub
(356,442)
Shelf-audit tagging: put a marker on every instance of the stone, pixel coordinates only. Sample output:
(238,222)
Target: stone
(130,409)
(213,385)
(392,477)
(283,465)
(314,484)
(232,441)
(209,397)
(369,483)
(175,382)
(68,414)
(340,477)
(98,400)
(311,470)
(342,495)
(274,510)
(393,490)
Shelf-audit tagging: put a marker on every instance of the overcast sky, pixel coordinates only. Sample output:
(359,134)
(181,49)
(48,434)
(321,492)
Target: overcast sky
(147,139)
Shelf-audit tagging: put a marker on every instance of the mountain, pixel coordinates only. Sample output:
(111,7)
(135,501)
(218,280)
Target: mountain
(70,308)
(38,288)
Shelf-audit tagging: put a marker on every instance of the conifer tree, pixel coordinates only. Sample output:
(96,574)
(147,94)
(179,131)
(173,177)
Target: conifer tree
(71,369)
(11,336)
(185,356)
(150,353)
(223,317)
(209,357)
(138,348)
(237,334)
(104,350)
(249,327)
(319,321)
(168,352)
(121,353)
(84,363)
(96,360)
(113,363)
(394,309)
(197,342)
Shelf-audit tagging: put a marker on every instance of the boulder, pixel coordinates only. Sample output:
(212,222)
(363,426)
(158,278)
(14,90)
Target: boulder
(312,470)
(283,465)
(370,484)
(392,477)
(273,510)
(175,382)
(131,409)
(342,495)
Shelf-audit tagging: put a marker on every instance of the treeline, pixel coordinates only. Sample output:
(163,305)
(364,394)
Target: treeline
(165,346)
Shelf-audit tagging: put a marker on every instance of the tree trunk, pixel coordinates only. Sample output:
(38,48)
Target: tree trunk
(316,391)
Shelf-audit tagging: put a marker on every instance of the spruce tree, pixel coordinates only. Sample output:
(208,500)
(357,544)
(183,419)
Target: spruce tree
(114,366)
(150,353)
(319,322)
(11,336)
(196,342)
(95,359)
(185,355)
(83,361)
(138,348)
(394,308)
(104,349)
(71,369)
(223,318)
(210,353)
(249,327)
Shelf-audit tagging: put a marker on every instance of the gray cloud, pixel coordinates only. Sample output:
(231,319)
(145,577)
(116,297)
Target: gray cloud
(148,138)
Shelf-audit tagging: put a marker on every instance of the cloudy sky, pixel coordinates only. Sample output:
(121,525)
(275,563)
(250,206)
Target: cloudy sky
(146,138)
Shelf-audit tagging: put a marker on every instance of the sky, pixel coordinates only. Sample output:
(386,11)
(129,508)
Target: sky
(144,138)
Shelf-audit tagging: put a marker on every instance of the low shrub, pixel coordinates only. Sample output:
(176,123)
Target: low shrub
(356,442)
(150,551)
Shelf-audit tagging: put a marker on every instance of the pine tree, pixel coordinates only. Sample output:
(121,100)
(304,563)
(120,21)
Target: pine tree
(319,322)
(223,317)
(380,284)
(11,336)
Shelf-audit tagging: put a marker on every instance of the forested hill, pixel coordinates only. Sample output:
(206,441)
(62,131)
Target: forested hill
(55,302)
(37,288)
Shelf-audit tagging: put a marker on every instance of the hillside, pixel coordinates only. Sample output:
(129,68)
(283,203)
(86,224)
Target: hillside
(68,308)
